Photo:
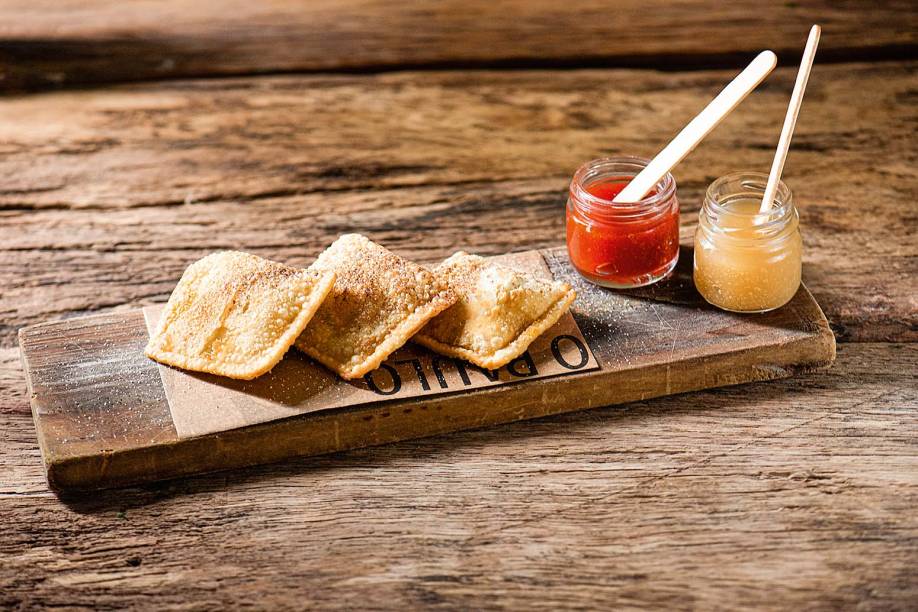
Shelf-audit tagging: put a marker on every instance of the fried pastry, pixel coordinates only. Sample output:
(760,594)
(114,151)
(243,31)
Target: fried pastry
(379,301)
(499,313)
(236,314)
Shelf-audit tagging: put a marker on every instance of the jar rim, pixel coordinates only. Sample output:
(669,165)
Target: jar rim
(623,165)
(779,220)
(756,182)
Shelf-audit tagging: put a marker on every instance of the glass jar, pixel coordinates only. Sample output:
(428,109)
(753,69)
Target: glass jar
(746,261)
(621,245)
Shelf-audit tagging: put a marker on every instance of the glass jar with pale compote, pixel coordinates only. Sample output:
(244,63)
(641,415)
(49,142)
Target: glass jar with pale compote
(746,261)
(621,245)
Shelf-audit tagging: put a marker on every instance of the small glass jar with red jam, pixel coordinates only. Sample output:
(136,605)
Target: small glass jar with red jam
(621,245)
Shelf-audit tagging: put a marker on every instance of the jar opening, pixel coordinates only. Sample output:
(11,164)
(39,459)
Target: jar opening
(725,193)
(619,169)
(731,208)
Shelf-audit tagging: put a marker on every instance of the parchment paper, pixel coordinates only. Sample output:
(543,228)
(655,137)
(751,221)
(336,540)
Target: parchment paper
(203,403)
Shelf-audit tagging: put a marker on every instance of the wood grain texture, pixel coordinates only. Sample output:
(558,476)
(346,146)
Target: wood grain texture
(103,418)
(121,189)
(51,43)
(171,143)
(790,494)
(786,494)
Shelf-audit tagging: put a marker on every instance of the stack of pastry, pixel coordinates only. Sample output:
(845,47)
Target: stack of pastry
(236,315)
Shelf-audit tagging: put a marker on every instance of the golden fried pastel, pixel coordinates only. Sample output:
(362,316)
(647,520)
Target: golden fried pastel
(379,301)
(236,314)
(499,313)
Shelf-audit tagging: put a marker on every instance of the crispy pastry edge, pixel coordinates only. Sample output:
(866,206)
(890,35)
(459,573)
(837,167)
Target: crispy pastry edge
(505,355)
(394,340)
(322,288)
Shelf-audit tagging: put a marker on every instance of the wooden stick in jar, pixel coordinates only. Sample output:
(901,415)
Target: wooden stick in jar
(699,127)
(790,120)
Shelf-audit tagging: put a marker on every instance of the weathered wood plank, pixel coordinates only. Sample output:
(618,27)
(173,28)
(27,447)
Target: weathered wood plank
(473,160)
(49,43)
(789,494)
(197,141)
(105,418)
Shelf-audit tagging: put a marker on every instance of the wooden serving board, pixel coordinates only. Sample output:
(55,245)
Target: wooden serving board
(108,416)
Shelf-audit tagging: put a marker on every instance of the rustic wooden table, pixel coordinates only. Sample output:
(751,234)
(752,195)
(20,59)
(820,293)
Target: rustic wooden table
(138,137)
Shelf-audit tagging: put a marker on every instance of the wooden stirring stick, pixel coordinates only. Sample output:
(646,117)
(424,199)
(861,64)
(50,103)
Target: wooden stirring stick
(790,120)
(698,128)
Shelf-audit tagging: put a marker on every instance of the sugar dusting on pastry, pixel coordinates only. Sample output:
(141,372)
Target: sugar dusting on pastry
(379,301)
(236,314)
(500,311)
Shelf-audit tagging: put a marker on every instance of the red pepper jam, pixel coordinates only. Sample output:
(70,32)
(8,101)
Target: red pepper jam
(621,245)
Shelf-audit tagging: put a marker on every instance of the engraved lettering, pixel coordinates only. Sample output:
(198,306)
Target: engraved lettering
(419,370)
(396,380)
(463,373)
(438,371)
(492,375)
(559,356)
(525,358)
